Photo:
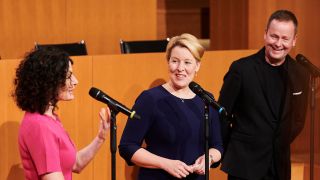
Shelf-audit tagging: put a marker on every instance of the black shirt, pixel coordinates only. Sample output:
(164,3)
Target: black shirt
(275,83)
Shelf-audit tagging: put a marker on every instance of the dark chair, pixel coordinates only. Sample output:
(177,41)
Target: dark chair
(143,46)
(73,49)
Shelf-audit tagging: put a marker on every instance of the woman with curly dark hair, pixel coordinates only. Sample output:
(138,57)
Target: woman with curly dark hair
(44,77)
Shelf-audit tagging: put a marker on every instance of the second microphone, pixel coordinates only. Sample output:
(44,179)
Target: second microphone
(207,97)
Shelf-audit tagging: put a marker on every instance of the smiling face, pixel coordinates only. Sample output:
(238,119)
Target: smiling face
(182,67)
(66,92)
(280,38)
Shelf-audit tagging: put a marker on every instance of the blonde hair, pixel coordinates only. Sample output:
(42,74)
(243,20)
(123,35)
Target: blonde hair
(188,41)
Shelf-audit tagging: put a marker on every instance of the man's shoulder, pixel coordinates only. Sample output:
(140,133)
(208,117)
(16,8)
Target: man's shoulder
(247,62)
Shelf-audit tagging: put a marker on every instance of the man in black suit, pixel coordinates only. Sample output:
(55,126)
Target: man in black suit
(267,93)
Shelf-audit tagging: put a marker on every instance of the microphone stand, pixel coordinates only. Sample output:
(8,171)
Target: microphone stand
(206,136)
(314,72)
(313,77)
(113,142)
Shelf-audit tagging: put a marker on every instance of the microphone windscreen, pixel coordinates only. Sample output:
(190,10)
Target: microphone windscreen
(301,59)
(195,87)
(94,92)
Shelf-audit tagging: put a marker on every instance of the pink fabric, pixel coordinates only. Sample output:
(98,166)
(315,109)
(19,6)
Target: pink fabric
(45,147)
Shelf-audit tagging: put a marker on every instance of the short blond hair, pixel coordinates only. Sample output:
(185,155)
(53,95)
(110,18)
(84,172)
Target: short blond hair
(188,41)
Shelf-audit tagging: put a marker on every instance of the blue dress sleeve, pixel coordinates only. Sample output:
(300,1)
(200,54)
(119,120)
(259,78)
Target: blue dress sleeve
(136,129)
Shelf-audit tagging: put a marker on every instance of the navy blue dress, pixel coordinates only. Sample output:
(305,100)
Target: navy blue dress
(172,128)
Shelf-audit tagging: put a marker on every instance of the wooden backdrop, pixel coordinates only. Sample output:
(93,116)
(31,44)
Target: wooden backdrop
(123,77)
(101,23)
(233,25)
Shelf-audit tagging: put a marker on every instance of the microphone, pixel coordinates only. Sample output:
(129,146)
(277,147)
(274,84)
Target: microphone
(207,97)
(113,104)
(307,64)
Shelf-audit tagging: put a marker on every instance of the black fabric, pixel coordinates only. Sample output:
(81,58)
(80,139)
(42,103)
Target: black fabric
(275,78)
(269,176)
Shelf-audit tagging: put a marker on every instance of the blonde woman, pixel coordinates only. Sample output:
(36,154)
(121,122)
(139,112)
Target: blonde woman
(171,121)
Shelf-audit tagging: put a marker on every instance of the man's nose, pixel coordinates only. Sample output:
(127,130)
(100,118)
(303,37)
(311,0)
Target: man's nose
(278,42)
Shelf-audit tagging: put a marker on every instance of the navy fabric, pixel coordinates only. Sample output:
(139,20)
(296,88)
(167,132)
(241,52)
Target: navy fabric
(171,127)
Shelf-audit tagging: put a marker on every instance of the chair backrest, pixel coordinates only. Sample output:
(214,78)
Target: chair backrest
(73,49)
(143,46)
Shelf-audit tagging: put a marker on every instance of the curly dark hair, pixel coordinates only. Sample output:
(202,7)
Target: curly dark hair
(39,77)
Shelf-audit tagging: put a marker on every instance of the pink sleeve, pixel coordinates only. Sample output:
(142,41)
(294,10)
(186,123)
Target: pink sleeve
(43,145)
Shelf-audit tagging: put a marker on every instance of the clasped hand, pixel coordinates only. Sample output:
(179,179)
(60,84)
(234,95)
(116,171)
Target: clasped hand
(179,169)
(199,166)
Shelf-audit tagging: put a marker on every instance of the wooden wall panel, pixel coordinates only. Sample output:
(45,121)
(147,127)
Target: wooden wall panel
(175,17)
(101,23)
(228,24)
(10,117)
(24,22)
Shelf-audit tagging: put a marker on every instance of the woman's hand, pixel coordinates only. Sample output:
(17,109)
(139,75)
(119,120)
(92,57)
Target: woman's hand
(199,166)
(176,168)
(104,123)
(85,155)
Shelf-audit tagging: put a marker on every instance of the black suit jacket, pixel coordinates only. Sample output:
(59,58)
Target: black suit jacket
(254,140)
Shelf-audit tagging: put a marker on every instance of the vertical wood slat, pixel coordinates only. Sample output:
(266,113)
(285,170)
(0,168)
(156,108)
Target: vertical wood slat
(9,124)
(228,24)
